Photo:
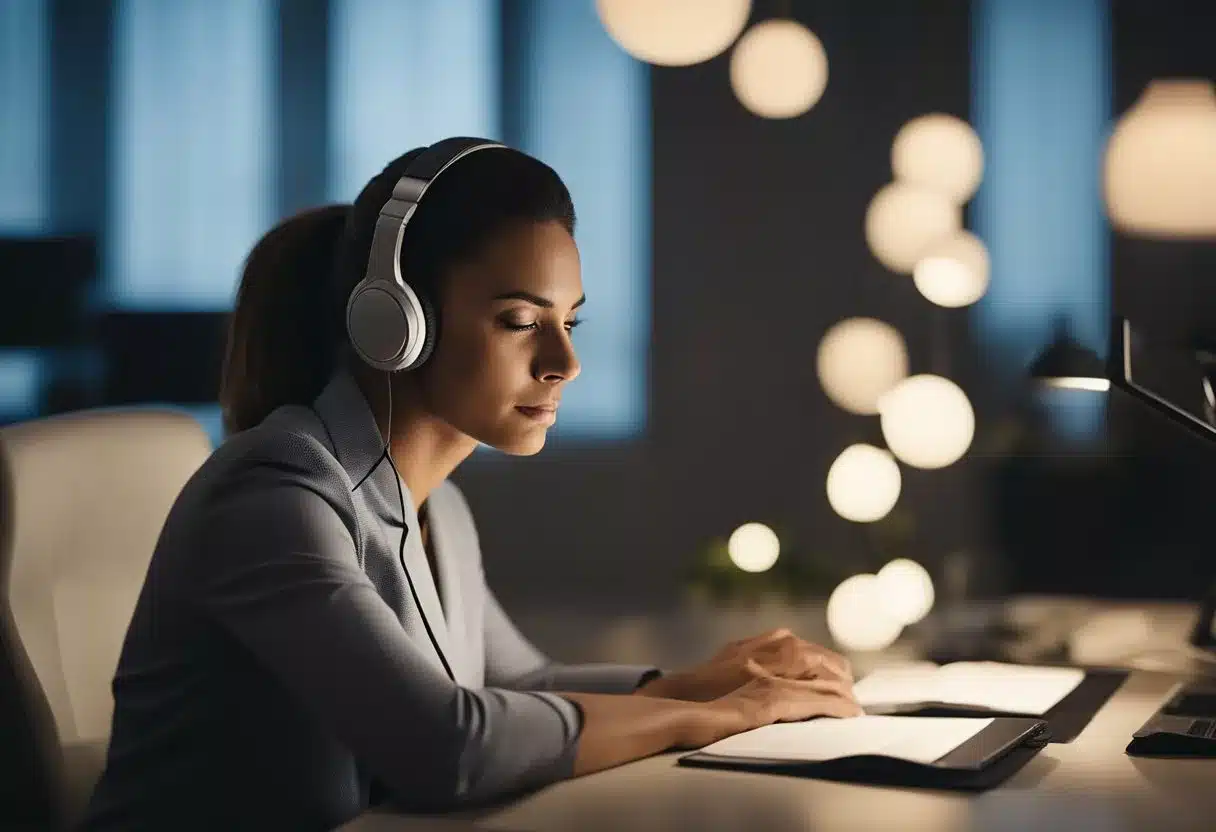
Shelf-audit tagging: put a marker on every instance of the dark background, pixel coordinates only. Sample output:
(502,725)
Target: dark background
(757,250)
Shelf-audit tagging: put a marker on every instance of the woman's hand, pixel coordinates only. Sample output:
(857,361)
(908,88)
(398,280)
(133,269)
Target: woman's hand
(767,699)
(778,653)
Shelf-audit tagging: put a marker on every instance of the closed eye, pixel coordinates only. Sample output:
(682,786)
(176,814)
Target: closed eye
(570,325)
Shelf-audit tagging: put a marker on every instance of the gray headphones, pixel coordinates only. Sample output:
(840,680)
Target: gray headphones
(391,326)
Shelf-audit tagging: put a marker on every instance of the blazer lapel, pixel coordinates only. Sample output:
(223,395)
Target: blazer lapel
(449,578)
(420,574)
(359,447)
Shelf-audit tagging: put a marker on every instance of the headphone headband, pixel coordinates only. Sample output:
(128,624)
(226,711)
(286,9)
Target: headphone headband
(390,325)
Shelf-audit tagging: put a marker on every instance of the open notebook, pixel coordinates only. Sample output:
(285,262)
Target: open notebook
(966,687)
(916,740)
(940,752)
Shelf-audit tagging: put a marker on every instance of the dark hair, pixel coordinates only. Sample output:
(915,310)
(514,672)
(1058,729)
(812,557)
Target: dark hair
(288,330)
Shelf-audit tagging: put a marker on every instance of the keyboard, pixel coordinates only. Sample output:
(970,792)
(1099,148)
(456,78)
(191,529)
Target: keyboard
(1185,726)
(1202,728)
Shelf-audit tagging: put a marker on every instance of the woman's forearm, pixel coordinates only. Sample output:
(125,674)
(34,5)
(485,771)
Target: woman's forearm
(620,728)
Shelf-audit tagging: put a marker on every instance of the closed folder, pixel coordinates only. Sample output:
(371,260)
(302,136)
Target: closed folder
(928,752)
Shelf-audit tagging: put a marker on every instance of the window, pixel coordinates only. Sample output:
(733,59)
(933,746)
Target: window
(23,195)
(1041,90)
(23,115)
(406,74)
(193,164)
(585,110)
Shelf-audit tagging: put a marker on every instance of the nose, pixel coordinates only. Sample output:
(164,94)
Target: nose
(556,360)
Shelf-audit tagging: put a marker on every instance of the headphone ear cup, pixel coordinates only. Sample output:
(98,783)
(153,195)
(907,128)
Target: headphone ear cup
(431,322)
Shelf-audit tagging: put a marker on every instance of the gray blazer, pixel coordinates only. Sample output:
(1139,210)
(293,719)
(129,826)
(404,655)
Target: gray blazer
(276,673)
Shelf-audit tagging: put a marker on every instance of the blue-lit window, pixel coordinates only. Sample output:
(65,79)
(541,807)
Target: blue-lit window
(406,74)
(193,149)
(24,74)
(1042,109)
(587,113)
(22,380)
(1041,95)
(23,115)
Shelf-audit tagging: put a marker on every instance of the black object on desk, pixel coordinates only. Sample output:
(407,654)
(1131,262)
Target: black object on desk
(982,762)
(1185,726)
(1179,382)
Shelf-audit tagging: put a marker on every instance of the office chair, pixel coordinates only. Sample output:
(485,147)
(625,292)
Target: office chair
(83,497)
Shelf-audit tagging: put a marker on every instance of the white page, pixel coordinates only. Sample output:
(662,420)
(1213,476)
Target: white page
(917,739)
(897,686)
(1009,687)
(1001,687)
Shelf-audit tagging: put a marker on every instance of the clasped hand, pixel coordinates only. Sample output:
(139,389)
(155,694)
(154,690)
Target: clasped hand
(777,653)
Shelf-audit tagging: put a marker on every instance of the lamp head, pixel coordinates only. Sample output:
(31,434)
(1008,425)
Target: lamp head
(1065,363)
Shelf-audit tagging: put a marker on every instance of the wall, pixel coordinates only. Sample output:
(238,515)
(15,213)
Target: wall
(758,249)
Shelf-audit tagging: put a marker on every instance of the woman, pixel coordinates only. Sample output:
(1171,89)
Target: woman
(314,633)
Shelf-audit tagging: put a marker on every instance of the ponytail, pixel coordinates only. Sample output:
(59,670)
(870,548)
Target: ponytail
(283,334)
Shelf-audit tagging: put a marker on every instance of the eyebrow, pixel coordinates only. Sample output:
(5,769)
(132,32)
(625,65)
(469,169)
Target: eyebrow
(537,300)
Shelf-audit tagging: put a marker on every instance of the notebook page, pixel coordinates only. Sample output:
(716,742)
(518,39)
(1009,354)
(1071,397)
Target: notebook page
(1008,687)
(917,739)
(898,686)
(1001,687)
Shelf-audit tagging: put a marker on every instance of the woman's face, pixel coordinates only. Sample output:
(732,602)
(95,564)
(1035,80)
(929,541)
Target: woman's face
(504,354)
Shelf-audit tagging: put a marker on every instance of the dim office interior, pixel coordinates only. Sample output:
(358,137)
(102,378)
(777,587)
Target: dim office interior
(866,283)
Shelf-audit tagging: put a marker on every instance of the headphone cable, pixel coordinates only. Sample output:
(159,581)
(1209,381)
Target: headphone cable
(405,529)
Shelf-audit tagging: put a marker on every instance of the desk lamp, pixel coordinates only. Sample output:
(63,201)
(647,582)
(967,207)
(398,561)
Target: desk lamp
(1067,364)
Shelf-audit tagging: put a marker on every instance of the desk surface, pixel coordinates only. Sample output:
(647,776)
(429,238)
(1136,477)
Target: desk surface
(1089,785)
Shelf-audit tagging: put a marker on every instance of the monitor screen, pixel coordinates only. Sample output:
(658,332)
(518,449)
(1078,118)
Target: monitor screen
(1168,378)
(1178,383)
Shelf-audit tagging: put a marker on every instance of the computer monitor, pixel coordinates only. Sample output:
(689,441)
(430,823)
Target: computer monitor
(1178,382)
(1175,380)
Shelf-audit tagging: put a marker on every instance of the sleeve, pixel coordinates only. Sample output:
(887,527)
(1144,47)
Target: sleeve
(513,662)
(282,576)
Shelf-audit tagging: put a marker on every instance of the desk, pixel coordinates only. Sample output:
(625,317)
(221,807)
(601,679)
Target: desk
(1089,785)
(1086,786)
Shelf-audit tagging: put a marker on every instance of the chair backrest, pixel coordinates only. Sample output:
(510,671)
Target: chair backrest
(85,498)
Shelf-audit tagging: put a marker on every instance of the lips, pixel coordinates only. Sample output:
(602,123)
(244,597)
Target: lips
(540,413)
